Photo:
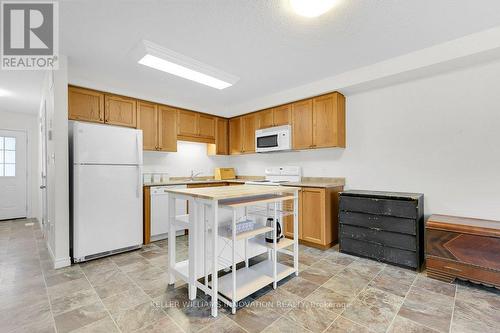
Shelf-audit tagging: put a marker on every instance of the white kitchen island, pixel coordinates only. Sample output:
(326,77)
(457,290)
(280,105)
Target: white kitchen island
(216,242)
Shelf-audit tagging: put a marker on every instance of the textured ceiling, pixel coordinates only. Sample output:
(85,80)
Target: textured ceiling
(261,41)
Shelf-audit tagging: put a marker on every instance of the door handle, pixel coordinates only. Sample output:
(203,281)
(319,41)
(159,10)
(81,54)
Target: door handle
(42,187)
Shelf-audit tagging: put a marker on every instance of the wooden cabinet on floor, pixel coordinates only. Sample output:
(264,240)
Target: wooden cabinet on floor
(318,217)
(85,104)
(121,111)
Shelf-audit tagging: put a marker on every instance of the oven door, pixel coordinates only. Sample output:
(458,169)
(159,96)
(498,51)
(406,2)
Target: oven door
(267,142)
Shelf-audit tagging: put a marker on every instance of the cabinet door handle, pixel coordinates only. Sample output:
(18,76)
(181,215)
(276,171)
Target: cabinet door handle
(452,268)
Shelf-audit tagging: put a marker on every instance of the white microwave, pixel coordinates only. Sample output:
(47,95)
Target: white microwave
(273,139)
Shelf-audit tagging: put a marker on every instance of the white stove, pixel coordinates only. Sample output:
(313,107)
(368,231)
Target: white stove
(279,175)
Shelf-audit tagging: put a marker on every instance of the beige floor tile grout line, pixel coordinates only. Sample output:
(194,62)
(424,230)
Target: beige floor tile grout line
(403,302)
(45,281)
(356,296)
(319,286)
(102,303)
(453,309)
(151,298)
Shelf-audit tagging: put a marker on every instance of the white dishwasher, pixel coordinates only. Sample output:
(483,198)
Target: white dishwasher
(159,211)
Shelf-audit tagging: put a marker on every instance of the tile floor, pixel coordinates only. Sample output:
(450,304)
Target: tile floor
(128,293)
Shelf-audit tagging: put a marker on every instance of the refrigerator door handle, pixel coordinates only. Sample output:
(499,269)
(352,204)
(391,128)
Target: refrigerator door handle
(139,181)
(138,139)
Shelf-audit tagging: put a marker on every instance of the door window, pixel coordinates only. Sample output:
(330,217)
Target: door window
(7,156)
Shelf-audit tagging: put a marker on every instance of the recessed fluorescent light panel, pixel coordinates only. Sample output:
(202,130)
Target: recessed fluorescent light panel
(168,61)
(4,93)
(311,8)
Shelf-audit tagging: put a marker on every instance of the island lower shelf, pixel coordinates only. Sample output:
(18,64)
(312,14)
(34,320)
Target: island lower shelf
(251,279)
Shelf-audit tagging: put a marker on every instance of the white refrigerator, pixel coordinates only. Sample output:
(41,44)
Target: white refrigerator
(106,187)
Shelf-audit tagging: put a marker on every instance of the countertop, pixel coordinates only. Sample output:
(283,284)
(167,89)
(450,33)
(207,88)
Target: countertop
(322,182)
(196,181)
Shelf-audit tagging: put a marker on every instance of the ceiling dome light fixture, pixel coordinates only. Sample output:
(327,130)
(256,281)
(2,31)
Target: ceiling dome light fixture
(311,8)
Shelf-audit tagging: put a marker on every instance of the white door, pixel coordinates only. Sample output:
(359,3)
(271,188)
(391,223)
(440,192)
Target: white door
(13,202)
(43,174)
(105,144)
(107,208)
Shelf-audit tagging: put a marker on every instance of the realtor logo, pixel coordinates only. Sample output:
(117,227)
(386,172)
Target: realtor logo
(29,35)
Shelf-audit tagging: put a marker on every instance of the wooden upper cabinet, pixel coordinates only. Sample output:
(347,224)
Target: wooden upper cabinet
(221,137)
(329,121)
(278,116)
(188,124)
(248,127)
(235,135)
(282,115)
(195,126)
(206,126)
(302,124)
(312,227)
(121,111)
(85,104)
(265,118)
(167,128)
(147,121)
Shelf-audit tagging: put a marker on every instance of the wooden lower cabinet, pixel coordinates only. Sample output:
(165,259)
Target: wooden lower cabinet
(207,185)
(288,220)
(312,212)
(318,217)
(146,215)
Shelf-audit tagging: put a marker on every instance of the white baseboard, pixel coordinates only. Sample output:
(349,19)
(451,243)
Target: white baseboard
(59,262)
(62,262)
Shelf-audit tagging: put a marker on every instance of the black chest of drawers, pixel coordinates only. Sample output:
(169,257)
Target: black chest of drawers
(385,226)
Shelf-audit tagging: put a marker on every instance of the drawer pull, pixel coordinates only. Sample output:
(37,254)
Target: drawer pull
(452,268)
(376,229)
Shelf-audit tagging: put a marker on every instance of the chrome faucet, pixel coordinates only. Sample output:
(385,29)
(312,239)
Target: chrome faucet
(193,174)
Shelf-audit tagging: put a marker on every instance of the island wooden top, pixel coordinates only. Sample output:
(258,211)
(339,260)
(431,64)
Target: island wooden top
(231,192)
